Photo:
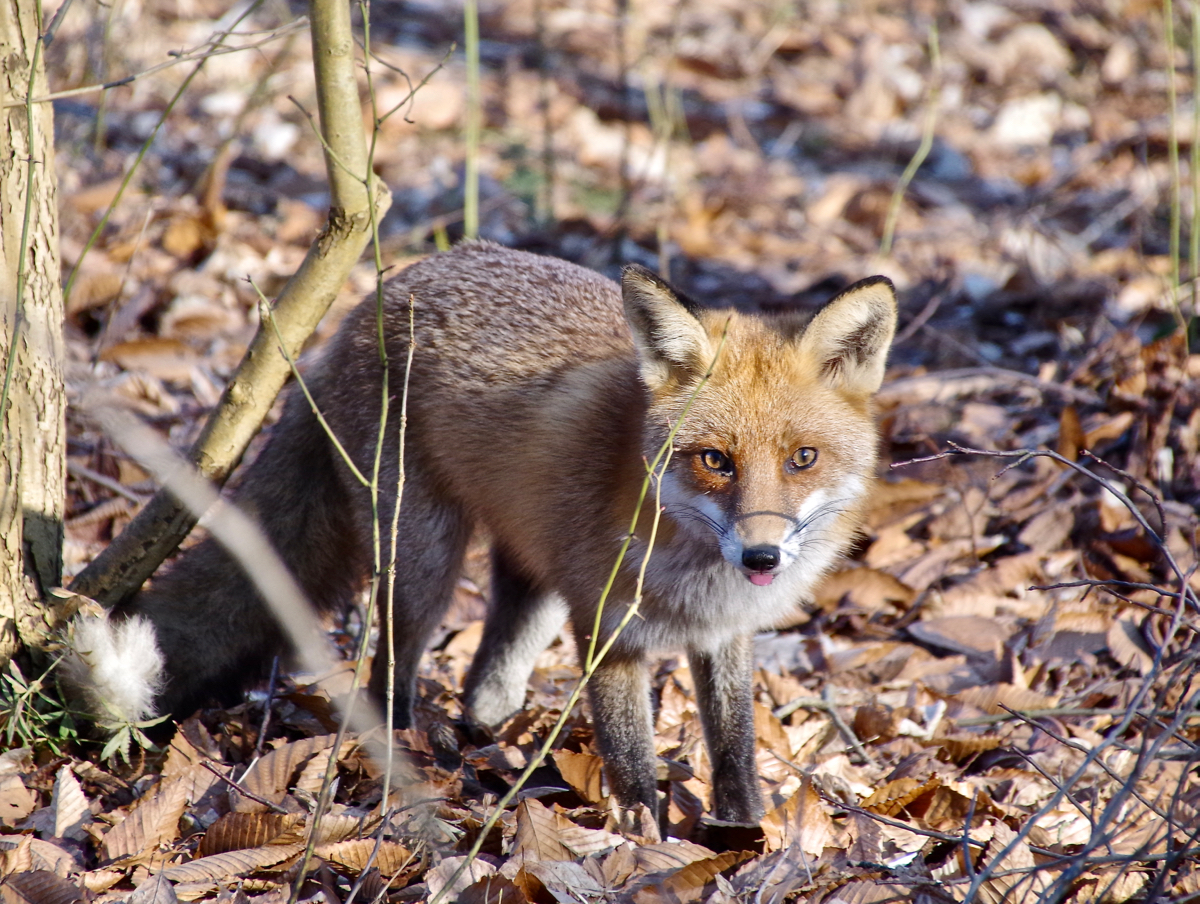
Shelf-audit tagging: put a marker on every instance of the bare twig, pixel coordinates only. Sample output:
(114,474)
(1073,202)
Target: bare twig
(271,805)
(211,48)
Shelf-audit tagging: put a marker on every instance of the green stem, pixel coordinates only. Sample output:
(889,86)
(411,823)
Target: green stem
(1172,144)
(474,118)
(910,171)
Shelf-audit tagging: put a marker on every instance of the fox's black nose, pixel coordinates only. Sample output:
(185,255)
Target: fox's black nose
(760,558)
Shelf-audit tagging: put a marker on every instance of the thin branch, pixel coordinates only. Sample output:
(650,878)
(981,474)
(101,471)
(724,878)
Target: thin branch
(212,48)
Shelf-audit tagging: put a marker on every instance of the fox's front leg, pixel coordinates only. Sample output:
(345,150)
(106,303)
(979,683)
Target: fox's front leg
(620,695)
(723,690)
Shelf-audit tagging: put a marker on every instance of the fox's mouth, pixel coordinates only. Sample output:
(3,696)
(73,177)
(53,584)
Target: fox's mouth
(761,578)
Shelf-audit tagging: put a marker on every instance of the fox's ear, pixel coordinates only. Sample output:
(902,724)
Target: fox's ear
(670,340)
(850,336)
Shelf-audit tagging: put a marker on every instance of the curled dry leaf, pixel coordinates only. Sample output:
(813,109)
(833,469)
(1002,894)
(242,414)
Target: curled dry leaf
(690,882)
(583,772)
(32,854)
(1128,645)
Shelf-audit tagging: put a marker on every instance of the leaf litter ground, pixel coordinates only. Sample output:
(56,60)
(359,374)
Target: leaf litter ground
(995,698)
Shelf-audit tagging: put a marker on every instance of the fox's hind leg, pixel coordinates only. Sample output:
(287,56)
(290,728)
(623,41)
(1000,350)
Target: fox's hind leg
(521,622)
(431,541)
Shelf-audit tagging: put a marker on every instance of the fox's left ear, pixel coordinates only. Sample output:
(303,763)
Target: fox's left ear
(851,335)
(671,342)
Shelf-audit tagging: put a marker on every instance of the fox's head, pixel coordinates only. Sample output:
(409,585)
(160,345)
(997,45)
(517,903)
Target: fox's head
(775,450)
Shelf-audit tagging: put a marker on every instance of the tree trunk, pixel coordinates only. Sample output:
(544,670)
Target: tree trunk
(33,444)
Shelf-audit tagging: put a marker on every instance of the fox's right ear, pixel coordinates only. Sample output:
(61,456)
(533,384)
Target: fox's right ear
(671,342)
(851,335)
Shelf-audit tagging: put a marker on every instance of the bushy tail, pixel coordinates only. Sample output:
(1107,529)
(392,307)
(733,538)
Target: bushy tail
(116,665)
(201,632)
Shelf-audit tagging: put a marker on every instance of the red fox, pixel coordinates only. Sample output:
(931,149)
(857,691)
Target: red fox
(538,391)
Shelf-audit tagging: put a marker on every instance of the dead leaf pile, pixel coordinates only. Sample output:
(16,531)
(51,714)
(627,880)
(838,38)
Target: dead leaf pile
(994,699)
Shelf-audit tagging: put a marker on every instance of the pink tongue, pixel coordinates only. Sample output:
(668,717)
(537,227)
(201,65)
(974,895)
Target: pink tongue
(761,580)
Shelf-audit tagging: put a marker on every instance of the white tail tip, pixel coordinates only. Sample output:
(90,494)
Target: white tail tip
(117,667)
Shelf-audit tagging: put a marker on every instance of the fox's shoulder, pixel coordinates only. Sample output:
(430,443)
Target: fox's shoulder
(486,311)
(482,273)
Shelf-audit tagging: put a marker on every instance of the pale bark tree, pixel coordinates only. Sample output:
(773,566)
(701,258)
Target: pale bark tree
(33,446)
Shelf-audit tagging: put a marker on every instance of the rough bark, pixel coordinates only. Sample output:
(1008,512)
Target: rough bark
(163,523)
(33,448)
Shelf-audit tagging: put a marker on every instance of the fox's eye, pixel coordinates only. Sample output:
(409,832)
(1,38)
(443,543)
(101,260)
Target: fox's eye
(804,457)
(716,461)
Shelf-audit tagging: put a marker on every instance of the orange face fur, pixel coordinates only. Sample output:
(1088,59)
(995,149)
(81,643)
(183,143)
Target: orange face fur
(777,445)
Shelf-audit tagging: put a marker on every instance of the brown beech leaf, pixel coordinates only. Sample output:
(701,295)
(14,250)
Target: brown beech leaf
(239,831)
(898,794)
(556,880)
(32,854)
(391,858)
(583,772)
(493,890)
(990,698)
(272,776)
(438,878)
(949,807)
(960,747)
(999,889)
(153,821)
(16,801)
(868,589)
(166,359)
(690,882)
(69,806)
(233,863)
(545,833)
(802,818)
(312,776)
(1070,434)
(40,887)
(539,831)
(155,890)
(335,827)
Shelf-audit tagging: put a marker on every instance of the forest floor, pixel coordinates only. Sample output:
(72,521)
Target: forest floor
(994,699)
